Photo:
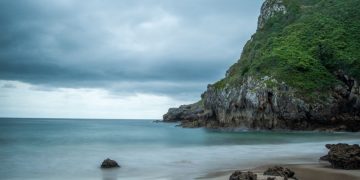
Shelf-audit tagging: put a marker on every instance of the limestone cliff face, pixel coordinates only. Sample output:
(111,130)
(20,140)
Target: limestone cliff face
(268,103)
(269,9)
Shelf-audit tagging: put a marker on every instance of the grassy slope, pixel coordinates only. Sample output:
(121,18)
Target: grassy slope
(304,47)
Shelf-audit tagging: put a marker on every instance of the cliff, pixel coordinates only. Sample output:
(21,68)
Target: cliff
(299,71)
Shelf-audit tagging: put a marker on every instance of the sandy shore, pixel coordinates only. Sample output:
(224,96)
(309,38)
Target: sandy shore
(302,172)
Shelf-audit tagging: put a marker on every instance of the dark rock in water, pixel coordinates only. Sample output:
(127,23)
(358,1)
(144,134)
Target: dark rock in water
(280,171)
(271,178)
(108,163)
(343,156)
(238,175)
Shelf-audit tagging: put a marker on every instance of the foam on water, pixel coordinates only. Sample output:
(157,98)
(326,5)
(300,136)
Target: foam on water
(74,149)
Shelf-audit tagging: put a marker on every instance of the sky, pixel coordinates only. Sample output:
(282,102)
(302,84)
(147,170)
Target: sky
(115,58)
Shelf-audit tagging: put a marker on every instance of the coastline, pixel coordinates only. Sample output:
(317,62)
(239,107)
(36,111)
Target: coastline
(313,171)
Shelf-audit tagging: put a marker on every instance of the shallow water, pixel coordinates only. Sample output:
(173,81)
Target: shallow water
(74,149)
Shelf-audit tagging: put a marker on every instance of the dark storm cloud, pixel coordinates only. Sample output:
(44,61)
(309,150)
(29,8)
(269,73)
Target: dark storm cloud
(166,47)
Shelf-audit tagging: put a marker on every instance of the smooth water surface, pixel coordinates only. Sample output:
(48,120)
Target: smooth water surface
(74,149)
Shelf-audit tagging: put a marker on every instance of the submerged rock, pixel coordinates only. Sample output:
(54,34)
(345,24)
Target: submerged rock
(108,163)
(238,175)
(343,156)
(280,171)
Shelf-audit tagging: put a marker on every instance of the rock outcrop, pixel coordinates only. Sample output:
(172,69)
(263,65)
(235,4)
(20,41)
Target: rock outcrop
(239,175)
(269,9)
(251,97)
(272,173)
(280,171)
(108,163)
(190,112)
(343,156)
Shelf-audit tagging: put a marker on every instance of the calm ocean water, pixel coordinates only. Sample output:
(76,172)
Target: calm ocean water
(45,149)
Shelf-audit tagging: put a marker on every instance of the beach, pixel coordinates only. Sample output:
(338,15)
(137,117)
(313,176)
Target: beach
(316,171)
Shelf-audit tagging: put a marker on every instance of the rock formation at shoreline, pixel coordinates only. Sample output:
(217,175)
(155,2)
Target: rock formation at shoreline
(299,71)
(272,173)
(343,156)
(280,171)
(239,175)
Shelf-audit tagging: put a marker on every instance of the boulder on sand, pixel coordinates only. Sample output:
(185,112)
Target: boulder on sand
(343,156)
(238,175)
(108,163)
(272,173)
(280,171)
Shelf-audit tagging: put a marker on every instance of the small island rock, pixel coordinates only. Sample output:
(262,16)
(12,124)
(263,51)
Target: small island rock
(108,163)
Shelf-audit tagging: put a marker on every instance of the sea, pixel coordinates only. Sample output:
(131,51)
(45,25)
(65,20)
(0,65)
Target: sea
(54,149)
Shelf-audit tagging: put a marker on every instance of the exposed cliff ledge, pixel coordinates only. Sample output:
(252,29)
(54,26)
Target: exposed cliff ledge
(269,9)
(294,73)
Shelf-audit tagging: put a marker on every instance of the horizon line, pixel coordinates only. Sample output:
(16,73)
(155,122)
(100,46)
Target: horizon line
(77,118)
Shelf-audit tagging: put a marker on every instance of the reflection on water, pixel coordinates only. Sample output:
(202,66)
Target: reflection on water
(110,174)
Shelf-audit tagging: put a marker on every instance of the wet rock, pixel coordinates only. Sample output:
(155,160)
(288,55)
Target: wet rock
(280,171)
(324,158)
(343,156)
(239,175)
(108,163)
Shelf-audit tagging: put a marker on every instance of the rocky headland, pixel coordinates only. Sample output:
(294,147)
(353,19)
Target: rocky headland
(299,71)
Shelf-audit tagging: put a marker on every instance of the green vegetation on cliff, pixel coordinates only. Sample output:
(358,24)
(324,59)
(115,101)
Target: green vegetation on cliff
(304,46)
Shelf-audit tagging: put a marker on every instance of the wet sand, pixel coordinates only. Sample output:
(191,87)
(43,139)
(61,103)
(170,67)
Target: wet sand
(302,172)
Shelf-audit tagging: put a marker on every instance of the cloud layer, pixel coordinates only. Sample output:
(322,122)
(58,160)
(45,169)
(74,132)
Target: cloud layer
(72,43)
(159,47)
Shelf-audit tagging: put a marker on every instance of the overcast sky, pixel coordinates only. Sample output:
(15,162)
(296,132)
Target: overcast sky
(113,58)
